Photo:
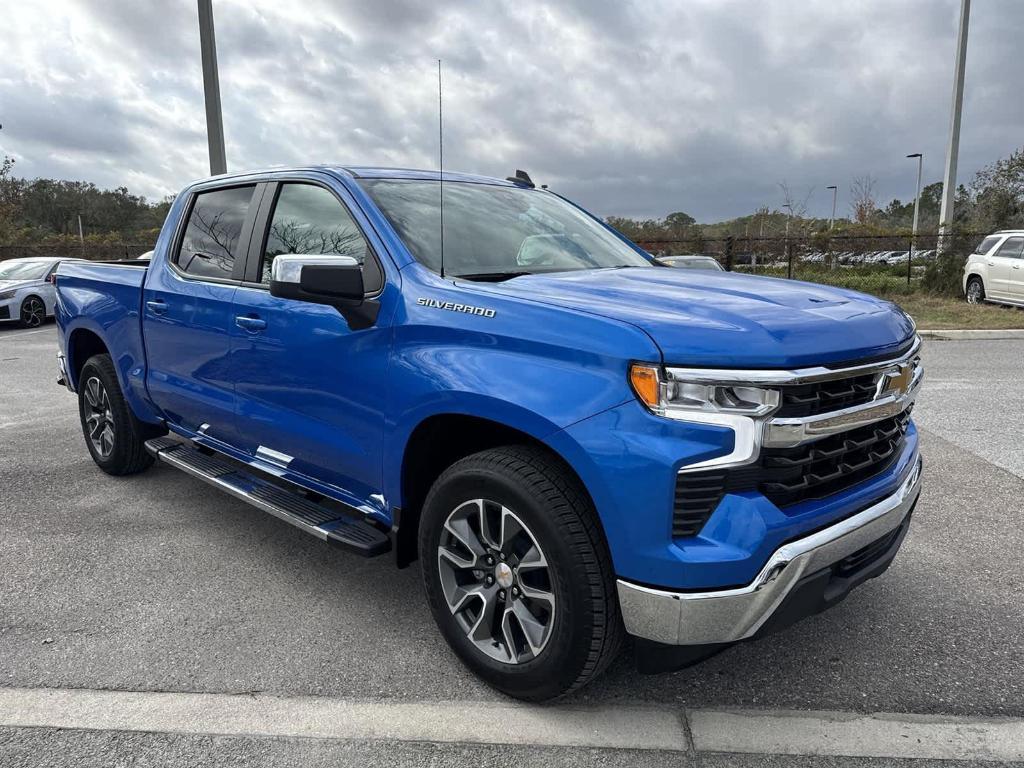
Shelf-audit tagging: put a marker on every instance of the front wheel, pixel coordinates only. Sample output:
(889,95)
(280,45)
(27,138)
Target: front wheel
(517,573)
(975,291)
(32,313)
(114,437)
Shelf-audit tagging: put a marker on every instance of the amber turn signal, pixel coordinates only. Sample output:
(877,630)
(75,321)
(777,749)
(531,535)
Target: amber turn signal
(646,383)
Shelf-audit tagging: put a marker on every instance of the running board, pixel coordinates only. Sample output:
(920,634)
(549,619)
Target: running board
(354,535)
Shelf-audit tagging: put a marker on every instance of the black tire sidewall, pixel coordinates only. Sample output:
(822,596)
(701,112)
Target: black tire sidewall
(981,292)
(562,659)
(120,458)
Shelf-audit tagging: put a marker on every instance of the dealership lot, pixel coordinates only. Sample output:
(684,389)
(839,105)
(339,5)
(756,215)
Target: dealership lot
(159,584)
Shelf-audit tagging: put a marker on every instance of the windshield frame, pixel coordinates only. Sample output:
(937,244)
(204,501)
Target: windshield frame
(523,230)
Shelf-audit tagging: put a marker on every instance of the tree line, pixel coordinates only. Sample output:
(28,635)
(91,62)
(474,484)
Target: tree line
(993,200)
(46,211)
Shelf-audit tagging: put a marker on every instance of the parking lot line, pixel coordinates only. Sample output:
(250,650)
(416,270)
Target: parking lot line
(787,732)
(499,722)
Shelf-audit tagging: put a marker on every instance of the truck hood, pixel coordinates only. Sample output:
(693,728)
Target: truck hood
(706,318)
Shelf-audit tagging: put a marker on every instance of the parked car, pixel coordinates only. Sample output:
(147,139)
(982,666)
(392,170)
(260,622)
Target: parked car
(995,271)
(26,290)
(575,443)
(692,261)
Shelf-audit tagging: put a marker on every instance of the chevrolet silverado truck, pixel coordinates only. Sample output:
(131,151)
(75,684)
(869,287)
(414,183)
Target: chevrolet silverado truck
(576,443)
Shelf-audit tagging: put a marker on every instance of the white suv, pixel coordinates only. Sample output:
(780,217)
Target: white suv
(995,271)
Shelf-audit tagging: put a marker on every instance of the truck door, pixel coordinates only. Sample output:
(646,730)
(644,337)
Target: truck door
(188,315)
(311,392)
(1015,281)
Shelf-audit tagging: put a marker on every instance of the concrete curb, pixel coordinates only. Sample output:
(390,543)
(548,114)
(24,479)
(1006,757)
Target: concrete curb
(973,334)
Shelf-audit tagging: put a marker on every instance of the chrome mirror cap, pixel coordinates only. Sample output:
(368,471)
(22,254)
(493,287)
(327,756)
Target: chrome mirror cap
(287,268)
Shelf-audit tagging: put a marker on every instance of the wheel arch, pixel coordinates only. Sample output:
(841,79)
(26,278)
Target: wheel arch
(437,442)
(83,343)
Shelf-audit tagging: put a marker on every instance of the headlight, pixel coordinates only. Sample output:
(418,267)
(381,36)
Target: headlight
(666,392)
(7,295)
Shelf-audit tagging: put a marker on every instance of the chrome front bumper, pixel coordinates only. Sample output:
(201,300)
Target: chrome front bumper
(729,615)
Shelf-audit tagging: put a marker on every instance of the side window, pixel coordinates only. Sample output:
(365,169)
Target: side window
(210,244)
(986,245)
(309,220)
(1011,248)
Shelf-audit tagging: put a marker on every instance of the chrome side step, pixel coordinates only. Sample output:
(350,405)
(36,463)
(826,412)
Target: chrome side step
(321,521)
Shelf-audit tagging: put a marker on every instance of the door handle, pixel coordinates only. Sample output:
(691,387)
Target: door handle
(991,263)
(251,324)
(157,306)
(1016,266)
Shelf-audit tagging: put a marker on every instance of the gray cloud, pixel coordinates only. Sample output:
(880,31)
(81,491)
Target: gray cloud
(635,108)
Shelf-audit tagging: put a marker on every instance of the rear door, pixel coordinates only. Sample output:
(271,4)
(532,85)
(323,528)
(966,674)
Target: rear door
(312,391)
(1000,267)
(188,314)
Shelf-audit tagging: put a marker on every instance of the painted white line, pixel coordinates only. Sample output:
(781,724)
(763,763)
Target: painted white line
(19,334)
(260,715)
(969,334)
(854,735)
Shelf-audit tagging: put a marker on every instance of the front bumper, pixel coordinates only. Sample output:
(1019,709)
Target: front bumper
(729,615)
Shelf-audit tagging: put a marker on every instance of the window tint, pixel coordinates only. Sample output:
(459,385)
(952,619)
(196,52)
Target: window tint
(309,220)
(986,245)
(1011,248)
(210,245)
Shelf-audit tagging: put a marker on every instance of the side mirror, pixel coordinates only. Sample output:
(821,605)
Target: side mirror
(333,280)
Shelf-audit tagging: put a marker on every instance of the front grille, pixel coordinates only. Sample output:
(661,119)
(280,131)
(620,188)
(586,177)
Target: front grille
(788,476)
(801,400)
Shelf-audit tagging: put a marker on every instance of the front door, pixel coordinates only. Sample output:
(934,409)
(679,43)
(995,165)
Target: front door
(1001,270)
(188,313)
(311,392)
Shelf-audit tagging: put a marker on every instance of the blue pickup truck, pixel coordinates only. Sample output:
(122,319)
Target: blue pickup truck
(577,443)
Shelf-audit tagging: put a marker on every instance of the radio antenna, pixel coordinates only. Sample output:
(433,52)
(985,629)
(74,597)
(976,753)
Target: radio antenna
(440,153)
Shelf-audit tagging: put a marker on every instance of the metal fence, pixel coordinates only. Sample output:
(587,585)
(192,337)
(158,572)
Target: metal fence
(75,250)
(883,264)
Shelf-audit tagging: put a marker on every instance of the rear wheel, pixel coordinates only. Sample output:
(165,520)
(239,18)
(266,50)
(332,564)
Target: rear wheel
(975,291)
(114,437)
(517,573)
(33,312)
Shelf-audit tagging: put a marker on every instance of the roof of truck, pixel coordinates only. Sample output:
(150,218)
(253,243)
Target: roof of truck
(363,172)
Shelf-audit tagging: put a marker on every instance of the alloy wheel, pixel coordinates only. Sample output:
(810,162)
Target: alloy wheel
(974,292)
(99,420)
(33,312)
(496,581)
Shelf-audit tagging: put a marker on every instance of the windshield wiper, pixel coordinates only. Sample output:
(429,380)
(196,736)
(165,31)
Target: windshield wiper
(492,277)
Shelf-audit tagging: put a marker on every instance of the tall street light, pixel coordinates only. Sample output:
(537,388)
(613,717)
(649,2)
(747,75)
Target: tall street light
(917,202)
(835,192)
(953,149)
(211,89)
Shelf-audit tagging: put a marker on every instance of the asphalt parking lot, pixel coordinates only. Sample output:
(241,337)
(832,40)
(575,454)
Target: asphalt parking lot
(158,583)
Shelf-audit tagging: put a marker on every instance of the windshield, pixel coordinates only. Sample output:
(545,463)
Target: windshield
(494,231)
(24,270)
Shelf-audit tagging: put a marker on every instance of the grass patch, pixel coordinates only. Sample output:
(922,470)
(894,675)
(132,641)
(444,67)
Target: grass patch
(941,313)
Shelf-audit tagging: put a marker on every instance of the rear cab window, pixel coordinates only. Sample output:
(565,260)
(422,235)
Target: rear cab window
(213,233)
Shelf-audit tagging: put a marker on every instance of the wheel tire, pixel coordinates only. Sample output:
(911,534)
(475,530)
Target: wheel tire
(585,626)
(114,437)
(32,312)
(975,293)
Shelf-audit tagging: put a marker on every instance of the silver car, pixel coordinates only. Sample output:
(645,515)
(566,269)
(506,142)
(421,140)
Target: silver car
(27,293)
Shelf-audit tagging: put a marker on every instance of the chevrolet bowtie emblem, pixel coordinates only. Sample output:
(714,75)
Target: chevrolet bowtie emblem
(895,381)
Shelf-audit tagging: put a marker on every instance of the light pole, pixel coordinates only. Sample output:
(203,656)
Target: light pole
(211,89)
(917,202)
(835,192)
(81,234)
(952,150)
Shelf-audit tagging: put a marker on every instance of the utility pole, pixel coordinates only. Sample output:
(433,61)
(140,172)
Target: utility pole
(81,235)
(917,203)
(832,219)
(211,89)
(953,149)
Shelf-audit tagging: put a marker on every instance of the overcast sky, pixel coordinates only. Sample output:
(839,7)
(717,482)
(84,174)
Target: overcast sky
(631,108)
